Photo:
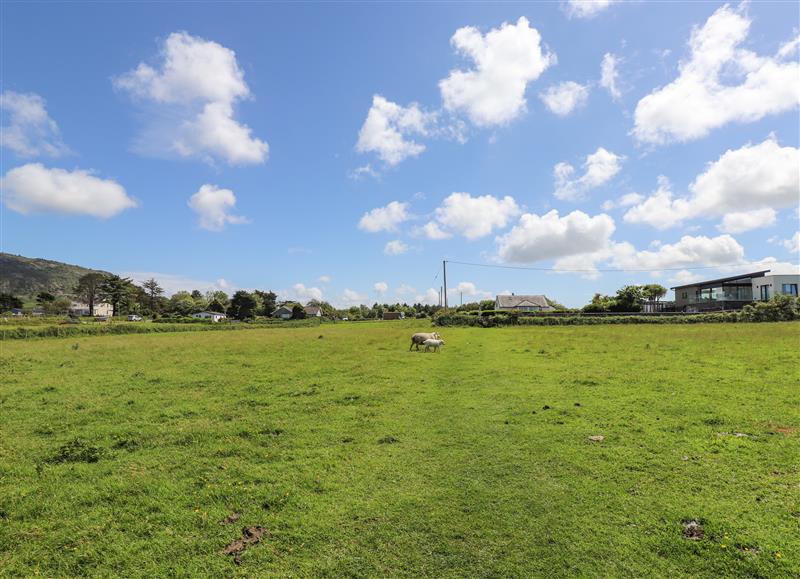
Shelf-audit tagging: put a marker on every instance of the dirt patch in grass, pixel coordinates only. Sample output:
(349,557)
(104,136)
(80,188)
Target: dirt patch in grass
(785,430)
(693,530)
(388,440)
(250,536)
(232,518)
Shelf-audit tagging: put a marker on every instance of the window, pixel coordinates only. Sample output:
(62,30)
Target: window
(789,289)
(684,295)
(764,292)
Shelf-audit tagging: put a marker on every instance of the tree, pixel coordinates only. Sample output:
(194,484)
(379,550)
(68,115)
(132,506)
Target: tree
(267,300)
(9,302)
(58,306)
(154,291)
(600,303)
(243,305)
(182,304)
(654,292)
(117,291)
(88,289)
(298,313)
(218,295)
(216,306)
(44,298)
(628,299)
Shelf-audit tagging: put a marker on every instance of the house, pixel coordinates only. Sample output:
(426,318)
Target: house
(213,316)
(734,292)
(101,309)
(284,312)
(313,311)
(394,316)
(522,303)
(134,318)
(16,311)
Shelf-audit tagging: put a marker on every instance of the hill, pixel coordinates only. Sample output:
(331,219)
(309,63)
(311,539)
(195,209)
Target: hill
(27,276)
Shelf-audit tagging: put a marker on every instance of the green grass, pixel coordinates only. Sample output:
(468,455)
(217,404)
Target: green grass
(363,459)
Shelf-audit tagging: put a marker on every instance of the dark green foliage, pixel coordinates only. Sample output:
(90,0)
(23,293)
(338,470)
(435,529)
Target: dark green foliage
(244,306)
(8,302)
(27,276)
(267,302)
(88,289)
(216,306)
(117,291)
(77,450)
(779,309)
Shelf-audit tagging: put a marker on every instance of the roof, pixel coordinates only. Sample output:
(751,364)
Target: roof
(723,279)
(312,310)
(210,313)
(283,307)
(517,301)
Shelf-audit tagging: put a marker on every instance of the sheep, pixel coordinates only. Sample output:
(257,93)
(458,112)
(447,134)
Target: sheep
(435,344)
(420,338)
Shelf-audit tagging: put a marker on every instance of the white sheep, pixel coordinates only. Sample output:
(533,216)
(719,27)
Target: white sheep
(420,337)
(433,343)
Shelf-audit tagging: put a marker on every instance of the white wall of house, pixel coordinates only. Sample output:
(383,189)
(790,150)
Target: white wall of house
(100,309)
(213,316)
(773,285)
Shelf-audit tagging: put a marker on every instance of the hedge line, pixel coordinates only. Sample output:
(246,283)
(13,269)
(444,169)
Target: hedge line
(66,331)
(496,321)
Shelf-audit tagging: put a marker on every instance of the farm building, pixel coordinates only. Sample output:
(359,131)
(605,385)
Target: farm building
(283,312)
(213,316)
(394,316)
(735,292)
(522,303)
(313,311)
(101,309)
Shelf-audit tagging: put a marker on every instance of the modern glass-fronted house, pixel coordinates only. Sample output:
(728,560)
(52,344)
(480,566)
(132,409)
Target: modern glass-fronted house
(733,293)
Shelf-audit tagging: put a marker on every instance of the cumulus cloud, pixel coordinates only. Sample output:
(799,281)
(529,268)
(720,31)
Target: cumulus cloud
(194,90)
(213,206)
(380,287)
(302,293)
(625,201)
(599,168)
(762,176)
(34,188)
(384,218)
(363,172)
(741,221)
(431,230)
(505,60)
(687,252)
(609,76)
(29,132)
(718,84)
(586,8)
(387,129)
(395,247)
(324,279)
(474,217)
(469,290)
(173,283)
(430,297)
(793,243)
(549,236)
(561,99)
(353,298)
(405,289)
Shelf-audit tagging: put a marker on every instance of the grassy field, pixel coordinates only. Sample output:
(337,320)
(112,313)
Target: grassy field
(360,458)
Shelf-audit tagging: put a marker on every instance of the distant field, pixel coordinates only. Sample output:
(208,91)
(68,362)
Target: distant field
(360,458)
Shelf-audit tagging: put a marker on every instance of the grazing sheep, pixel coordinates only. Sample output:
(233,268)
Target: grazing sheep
(435,344)
(420,338)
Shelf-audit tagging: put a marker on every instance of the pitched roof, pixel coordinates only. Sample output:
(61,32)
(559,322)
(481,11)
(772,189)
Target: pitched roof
(517,301)
(312,310)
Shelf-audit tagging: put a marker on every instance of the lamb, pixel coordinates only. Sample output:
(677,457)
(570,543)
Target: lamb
(435,344)
(419,338)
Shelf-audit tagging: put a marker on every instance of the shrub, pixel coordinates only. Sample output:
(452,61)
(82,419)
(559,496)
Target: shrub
(779,309)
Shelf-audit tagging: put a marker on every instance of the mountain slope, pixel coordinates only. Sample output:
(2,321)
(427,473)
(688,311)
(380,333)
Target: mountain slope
(27,276)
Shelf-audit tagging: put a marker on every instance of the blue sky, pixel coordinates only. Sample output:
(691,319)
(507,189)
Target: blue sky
(343,150)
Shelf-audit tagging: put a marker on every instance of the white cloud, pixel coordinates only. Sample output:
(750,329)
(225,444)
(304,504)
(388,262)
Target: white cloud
(475,217)
(561,99)
(763,176)
(793,243)
(213,206)
(536,238)
(704,96)
(609,75)
(689,251)
(387,128)
(395,247)
(599,168)
(430,297)
(469,290)
(194,91)
(505,60)
(362,172)
(431,230)
(684,277)
(380,287)
(34,188)
(404,289)
(324,279)
(353,298)
(625,201)
(30,131)
(173,283)
(741,221)
(586,8)
(302,293)
(384,218)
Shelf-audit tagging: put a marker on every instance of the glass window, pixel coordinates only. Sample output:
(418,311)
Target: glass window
(764,292)
(789,289)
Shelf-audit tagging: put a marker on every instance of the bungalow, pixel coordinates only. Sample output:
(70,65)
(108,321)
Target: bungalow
(734,292)
(313,311)
(213,316)
(528,303)
(284,312)
(101,309)
(394,316)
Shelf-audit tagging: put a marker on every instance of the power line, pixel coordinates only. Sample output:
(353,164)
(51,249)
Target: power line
(591,270)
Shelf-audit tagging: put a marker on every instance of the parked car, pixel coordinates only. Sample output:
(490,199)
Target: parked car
(134,318)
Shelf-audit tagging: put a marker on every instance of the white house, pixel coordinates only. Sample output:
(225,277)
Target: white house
(283,313)
(313,311)
(213,316)
(520,303)
(100,309)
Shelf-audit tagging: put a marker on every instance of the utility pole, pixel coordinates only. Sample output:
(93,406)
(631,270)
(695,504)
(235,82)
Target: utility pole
(462,297)
(444,278)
